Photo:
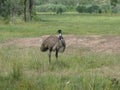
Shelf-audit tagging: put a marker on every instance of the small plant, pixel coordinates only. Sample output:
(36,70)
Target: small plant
(16,72)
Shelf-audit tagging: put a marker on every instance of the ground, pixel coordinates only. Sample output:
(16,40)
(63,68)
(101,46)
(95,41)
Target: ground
(95,43)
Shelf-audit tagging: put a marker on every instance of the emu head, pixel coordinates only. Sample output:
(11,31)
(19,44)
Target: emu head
(59,31)
(60,34)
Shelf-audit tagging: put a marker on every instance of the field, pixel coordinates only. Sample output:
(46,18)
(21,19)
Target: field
(91,60)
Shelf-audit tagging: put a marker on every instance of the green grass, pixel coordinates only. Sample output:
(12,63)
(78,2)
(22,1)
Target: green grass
(26,68)
(79,24)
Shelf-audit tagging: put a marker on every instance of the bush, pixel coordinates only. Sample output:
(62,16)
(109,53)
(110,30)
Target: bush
(41,8)
(94,9)
(106,8)
(81,9)
(88,9)
(58,8)
(116,9)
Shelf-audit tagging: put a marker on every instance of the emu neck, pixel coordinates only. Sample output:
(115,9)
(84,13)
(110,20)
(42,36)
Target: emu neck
(60,36)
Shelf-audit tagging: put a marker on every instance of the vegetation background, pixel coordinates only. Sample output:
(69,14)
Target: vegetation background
(25,23)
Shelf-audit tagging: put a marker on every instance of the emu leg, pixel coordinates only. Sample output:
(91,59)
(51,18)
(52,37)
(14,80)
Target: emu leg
(56,56)
(49,54)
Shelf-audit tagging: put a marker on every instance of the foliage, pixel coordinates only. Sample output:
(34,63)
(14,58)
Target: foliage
(58,8)
(10,7)
(81,8)
(45,8)
(93,9)
(4,8)
(106,8)
(116,9)
(114,2)
(96,6)
(13,8)
(38,2)
(88,9)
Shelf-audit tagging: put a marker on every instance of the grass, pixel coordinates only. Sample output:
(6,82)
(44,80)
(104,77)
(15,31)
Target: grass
(78,24)
(26,68)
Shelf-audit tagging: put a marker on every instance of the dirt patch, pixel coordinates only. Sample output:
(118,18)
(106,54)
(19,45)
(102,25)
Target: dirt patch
(96,43)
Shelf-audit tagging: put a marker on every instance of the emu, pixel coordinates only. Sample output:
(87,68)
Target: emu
(54,43)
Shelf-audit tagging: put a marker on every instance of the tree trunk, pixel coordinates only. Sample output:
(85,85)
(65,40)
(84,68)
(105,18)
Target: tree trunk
(25,7)
(30,8)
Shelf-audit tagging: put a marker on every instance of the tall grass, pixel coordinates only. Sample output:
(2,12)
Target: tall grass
(28,68)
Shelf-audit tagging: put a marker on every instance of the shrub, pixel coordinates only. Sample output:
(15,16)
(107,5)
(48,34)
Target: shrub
(80,8)
(88,9)
(116,9)
(106,8)
(41,8)
(58,8)
(93,9)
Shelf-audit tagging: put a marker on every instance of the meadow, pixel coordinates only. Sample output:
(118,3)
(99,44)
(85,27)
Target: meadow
(27,68)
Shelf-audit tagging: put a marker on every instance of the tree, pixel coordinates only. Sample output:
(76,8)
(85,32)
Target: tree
(11,8)
(25,11)
(115,6)
(4,8)
(15,9)
(81,8)
(114,2)
(30,8)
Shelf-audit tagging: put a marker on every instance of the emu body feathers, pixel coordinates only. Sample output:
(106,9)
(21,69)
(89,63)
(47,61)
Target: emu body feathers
(54,43)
